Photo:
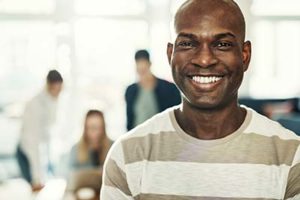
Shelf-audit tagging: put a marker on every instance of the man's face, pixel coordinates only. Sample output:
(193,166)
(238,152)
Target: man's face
(142,67)
(54,89)
(208,59)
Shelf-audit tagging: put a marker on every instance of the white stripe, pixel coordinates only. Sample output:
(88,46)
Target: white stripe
(111,193)
(134,173)
(210,180)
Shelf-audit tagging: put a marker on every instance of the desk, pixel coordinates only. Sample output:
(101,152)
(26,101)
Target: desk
(18,189)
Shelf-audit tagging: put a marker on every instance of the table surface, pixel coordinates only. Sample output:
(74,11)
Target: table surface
(53,190)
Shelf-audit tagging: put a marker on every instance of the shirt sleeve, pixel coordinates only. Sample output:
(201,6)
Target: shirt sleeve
(293,185)
(114,180)
(30,140)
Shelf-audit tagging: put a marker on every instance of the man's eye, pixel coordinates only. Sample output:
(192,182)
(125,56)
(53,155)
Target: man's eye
(224,45)
(185,44)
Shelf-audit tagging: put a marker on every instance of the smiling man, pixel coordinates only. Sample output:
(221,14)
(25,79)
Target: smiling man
(209,147)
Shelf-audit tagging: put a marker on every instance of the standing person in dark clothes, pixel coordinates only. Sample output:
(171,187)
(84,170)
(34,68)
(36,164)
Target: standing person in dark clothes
(150,95)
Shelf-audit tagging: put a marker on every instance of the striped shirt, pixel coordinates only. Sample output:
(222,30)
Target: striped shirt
(159,161)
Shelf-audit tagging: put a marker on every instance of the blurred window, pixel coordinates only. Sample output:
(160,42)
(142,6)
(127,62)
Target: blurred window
(276,7)
(27,6)
(27,49)
(276,47)
(111,7)
(105,55)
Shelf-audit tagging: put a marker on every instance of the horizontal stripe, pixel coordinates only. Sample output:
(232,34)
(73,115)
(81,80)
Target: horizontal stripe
(115,177)
(246,148)
(293,187)
(112,193)
(135,174)
(215,180)
(297,197)
(174,197)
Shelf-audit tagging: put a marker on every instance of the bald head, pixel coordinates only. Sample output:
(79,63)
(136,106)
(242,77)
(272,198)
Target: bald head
(226,12)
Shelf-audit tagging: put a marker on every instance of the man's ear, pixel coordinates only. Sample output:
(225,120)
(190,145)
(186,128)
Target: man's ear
(169,52)
(246,55)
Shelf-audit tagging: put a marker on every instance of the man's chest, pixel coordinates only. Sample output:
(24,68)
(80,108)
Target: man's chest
(208,179)
(229,172)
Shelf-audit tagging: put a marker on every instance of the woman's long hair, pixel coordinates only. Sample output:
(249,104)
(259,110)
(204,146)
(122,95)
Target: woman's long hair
(105,143)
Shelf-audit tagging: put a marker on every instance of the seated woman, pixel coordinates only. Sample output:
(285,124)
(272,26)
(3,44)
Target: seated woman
(88,155)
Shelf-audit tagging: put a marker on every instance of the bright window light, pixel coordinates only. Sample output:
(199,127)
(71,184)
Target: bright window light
(276,7)
(105,52)
(27,51)
(275,59)
(175,5)
(111,7)
(28,6)
(109,45)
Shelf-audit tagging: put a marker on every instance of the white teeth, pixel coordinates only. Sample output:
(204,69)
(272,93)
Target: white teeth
(206,79)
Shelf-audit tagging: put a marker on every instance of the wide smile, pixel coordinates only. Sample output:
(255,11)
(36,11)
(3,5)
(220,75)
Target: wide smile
(206,82)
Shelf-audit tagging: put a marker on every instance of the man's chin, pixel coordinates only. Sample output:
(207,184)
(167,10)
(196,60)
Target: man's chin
(207,104)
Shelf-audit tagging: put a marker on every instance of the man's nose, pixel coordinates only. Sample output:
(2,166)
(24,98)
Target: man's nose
(204,57)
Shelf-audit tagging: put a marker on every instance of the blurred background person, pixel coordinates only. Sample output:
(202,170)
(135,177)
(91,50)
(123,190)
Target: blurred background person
(150,95)
(91,150)
(88,155)
(39,116)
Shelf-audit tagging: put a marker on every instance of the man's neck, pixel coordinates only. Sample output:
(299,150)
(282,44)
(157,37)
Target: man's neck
(148,81)
(210,124)
(46,93)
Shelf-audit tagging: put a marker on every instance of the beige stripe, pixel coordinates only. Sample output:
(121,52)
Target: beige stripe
(246,148)
(115,177)
(293,187)
(175,197)
(297,197)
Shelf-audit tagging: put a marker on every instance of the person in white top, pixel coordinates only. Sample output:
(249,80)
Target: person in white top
(39,116)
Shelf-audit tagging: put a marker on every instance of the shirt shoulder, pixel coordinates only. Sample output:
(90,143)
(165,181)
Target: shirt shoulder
(159,123)
(264,126)
(130,147)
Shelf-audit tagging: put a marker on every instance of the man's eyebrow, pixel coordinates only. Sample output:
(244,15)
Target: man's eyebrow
(216,36)
(224,35)
(187,35)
